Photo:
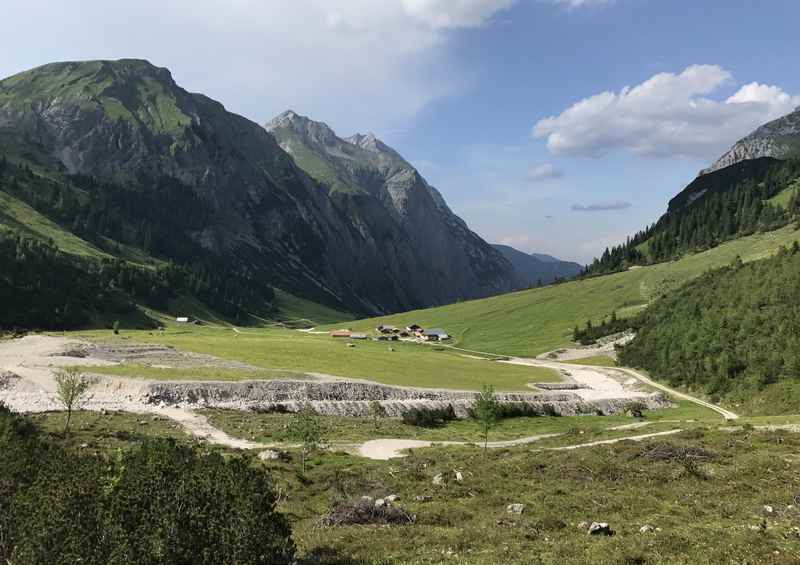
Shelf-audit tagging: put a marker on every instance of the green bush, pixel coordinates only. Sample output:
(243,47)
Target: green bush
(158,503)
(429,417)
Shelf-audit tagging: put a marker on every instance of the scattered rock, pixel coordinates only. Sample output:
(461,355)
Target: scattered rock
(646,528)
(422,498)
(269,455)
(392,498)
(351,345)
(438,480)
(459,476)
(8,380)
(769,509)
(600,529)
(515,508)
(583,526)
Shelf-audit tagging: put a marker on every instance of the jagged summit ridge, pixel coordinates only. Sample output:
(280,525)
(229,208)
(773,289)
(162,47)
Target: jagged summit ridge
(374,183)
(779,139)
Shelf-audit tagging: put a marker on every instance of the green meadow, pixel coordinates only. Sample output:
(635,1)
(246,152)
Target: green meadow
(283,351)
(534,321)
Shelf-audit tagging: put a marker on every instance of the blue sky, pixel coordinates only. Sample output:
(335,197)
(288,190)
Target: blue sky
(514,109)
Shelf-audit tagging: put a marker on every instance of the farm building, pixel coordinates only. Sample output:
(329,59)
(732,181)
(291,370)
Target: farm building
(341,333)
(435,334)
(358,336)
(389,337)
(413,328)
(386,329)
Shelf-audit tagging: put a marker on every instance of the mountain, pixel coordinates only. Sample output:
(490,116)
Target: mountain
(754,187)
(537,268)
(545,258)
(422,242)
(119,154)
(779,139)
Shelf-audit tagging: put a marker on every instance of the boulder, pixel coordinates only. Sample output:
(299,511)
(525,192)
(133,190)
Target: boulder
(438,480)
(392,498)
(422,498)
(459,476)
(646,528)
(269,455)
(600,529)
(515,508)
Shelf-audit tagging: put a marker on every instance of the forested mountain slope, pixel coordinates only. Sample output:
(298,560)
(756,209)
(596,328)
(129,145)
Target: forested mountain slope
(117,155)
(719,206)
(733,333)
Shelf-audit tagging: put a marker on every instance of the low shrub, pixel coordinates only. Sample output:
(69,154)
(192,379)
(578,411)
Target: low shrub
(157,503)
(425,417)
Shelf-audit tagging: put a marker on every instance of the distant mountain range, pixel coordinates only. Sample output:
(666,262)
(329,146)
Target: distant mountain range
(537,268)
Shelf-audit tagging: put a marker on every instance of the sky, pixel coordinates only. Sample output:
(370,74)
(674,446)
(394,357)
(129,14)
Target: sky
(554,126)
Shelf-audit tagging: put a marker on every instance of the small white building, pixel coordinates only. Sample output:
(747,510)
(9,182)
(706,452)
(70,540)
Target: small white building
(435,334)
(182,320)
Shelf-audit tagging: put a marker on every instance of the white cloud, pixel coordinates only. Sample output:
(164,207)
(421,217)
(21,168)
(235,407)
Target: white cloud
(668,115)
(440,14)
(358,64)
(544,172)
(583,3)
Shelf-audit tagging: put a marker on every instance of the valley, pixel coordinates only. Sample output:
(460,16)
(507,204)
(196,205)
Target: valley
(279,338)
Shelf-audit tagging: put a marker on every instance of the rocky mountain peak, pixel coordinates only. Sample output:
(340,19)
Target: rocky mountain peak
(370,142)
(303,126)
(779,139)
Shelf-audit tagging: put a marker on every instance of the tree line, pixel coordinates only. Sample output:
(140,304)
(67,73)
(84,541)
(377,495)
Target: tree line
(731,204)
(110,215)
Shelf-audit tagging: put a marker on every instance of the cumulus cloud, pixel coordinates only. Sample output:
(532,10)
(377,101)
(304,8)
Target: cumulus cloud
(601,206)
(544,172)
(668,115)
(261,57)
(445,14)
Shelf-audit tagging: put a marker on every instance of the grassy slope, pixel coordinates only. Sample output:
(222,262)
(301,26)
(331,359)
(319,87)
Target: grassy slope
(466,522)
(18,216)
(595,360)
(534,321)
(293,351)
(292,308)
(268,428)
(782,199)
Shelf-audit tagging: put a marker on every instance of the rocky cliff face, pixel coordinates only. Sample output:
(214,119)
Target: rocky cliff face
(427,247)
(129,122)
(779,139)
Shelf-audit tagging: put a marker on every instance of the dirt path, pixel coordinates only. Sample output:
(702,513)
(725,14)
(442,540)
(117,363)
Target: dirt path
(727,414)
(601,381)
(615,440)
(384,449)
